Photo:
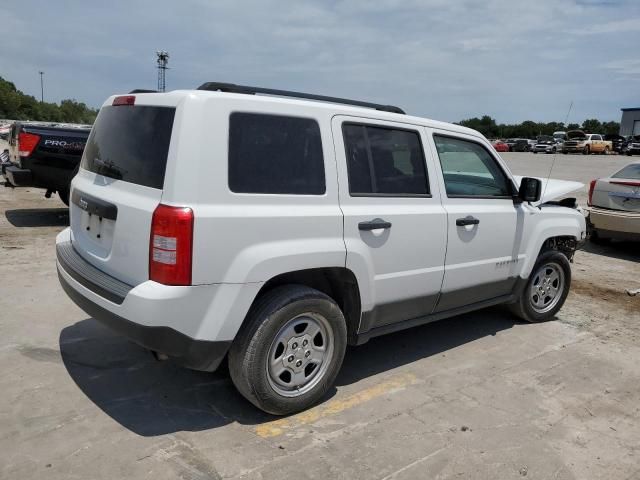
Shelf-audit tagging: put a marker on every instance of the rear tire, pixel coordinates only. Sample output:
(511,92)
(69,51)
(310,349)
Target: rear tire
(546,290)
(64,194)
(290,349)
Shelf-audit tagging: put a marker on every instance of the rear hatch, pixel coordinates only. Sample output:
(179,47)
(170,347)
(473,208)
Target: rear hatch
(621,191)
(119,186)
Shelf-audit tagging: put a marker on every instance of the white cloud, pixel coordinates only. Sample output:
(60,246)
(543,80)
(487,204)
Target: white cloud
(615,26)
(629,66)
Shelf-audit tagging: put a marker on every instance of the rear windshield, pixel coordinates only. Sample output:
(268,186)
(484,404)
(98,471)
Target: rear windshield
(131,144)
(630,171)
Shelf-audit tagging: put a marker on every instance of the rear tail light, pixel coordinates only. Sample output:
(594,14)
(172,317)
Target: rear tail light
(170,249)
(27,143)
(628,184)
(124,100)
(592,185)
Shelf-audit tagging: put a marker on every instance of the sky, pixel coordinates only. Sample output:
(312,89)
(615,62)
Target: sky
(442,59)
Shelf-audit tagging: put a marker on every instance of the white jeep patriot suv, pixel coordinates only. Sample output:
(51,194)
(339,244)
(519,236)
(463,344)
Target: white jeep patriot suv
(274,228)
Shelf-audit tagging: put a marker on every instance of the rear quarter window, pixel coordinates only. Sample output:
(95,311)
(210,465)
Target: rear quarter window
(274,154)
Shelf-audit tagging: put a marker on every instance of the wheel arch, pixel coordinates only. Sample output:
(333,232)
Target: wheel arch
(562,233)
(339,283)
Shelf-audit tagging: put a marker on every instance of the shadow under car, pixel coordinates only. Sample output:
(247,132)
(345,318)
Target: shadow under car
(154,398)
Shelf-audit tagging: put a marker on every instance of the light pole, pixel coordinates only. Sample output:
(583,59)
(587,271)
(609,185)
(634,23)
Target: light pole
(41,87)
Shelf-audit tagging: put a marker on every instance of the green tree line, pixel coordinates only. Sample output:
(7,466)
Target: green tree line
(16,105)
(529,129)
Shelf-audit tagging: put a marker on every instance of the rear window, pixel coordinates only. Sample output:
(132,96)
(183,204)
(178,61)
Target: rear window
(631,172)
(130,144)
(275,154)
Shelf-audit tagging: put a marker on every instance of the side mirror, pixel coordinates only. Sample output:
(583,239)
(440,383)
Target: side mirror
(530,189)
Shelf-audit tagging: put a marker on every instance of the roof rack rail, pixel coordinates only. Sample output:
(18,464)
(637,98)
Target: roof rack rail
(142,90)
(233,88)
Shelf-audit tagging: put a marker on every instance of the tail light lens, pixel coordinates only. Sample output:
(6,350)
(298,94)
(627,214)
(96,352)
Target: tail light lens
(592,185)
(171,245)
(27,142)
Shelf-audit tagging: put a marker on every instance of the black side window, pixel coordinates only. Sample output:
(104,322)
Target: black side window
(469,169)
(384,161)
(275,154)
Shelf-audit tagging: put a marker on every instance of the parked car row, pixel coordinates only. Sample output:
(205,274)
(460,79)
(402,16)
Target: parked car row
(574,141)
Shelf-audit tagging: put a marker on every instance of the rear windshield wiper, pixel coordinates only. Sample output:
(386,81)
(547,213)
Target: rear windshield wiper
(108,168)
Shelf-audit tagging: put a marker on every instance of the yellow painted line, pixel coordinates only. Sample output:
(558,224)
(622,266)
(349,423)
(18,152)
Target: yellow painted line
(332,407)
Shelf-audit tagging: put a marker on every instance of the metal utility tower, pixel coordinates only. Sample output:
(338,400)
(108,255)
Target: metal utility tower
(163,59)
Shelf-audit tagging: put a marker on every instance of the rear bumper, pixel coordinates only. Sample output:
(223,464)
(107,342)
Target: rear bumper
(615,223)
(16,176)
(150,314)
(195,354)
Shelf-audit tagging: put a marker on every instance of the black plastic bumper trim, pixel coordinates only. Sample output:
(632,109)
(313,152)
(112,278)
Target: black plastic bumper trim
(89,276)
(201,355)
(18,177)
(94,205)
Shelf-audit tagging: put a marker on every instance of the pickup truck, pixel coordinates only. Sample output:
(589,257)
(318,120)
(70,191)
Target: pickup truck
(44,156)
(586,143)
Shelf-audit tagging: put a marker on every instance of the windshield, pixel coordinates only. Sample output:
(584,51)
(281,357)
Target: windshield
(545,138)
(130,144)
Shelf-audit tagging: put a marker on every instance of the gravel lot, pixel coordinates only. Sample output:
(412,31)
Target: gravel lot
(477,396)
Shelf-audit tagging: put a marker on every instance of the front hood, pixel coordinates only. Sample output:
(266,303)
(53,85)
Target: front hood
(553,189)
(576,135)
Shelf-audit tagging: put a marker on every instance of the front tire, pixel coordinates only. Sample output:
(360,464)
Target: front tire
(288,354)
(586,150)
(546,290)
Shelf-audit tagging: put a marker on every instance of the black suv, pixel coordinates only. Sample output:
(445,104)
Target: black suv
(617,142)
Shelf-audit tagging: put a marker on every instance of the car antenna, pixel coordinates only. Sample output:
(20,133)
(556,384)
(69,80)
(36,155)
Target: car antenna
(553,162)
